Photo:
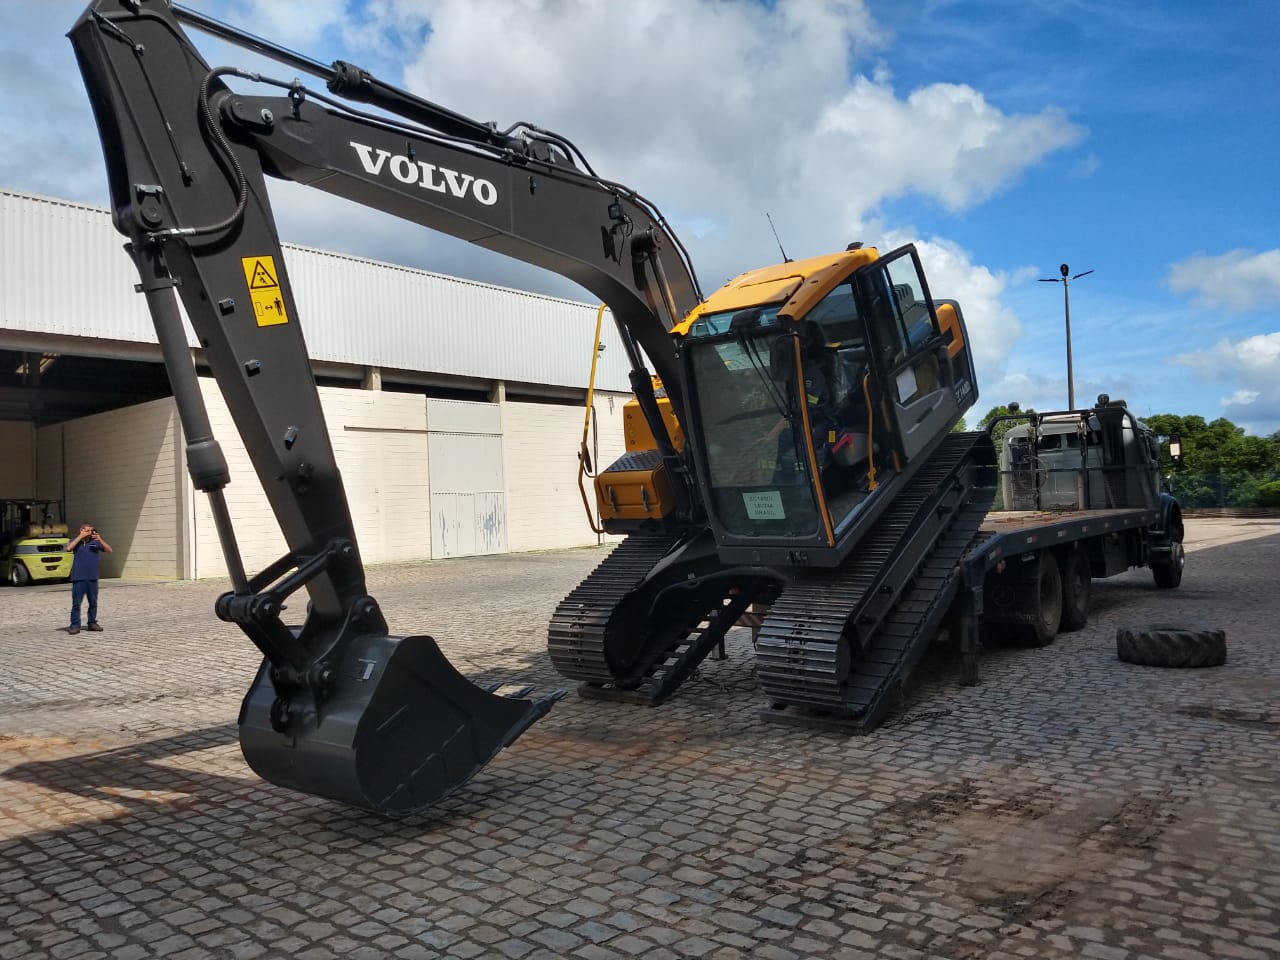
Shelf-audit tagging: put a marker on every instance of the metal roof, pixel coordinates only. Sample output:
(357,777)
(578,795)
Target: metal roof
(63,274)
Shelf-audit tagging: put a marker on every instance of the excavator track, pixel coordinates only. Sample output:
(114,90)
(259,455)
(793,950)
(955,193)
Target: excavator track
(576,636)
(842,642)
(681,631)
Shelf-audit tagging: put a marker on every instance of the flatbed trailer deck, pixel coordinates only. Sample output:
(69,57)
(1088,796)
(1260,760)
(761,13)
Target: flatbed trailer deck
(992,592)
(1007,532)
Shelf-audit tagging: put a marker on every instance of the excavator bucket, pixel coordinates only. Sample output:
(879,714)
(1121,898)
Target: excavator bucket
(399,729)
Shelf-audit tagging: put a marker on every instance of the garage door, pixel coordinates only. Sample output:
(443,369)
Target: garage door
(468,502)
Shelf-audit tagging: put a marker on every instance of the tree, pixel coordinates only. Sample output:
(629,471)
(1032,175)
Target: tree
(995,413)
(1221,466)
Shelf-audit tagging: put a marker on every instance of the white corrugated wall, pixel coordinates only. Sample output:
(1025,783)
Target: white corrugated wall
(540,450)
(503,476)
(361,311)
(62,271)
(424,477)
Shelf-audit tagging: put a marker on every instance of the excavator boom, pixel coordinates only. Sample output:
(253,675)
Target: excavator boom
(339,708)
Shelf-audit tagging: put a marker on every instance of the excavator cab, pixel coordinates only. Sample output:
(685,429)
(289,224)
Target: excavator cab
(813,387)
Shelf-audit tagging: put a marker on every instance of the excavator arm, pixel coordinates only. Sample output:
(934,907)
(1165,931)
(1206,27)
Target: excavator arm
(340,709)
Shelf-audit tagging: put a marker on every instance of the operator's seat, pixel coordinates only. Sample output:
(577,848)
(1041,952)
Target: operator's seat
(849,408)
(840,417)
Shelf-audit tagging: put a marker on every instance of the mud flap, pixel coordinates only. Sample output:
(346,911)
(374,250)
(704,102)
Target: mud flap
(399,729)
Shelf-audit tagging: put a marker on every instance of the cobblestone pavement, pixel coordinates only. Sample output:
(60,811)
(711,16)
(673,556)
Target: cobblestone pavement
(1068,806)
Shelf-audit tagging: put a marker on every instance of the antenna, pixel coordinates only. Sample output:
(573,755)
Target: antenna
(785,258)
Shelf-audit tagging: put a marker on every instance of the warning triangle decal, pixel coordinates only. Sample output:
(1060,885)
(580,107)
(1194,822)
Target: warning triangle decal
(261,277)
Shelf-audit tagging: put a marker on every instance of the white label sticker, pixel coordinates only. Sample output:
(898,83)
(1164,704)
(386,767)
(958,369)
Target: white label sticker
(765,505)
(906,385)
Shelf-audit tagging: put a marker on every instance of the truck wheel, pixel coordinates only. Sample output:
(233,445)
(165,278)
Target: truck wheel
(1076,584)
(18,574)
(1168,574)
(1162,646)
(1042,631)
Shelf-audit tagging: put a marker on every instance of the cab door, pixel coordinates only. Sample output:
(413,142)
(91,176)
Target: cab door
(921,351)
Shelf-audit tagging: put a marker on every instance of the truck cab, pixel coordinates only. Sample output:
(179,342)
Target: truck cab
(1094,459)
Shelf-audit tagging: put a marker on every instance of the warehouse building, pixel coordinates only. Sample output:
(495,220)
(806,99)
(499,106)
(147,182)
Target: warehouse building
(456,409)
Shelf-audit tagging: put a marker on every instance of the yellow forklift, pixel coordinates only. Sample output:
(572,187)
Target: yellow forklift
(33,542)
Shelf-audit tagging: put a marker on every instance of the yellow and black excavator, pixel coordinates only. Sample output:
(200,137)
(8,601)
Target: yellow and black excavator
(790,444)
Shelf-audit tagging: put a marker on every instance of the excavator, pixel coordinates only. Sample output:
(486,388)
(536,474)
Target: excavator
(790,444)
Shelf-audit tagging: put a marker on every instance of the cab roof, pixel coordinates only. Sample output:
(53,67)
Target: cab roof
(797,284)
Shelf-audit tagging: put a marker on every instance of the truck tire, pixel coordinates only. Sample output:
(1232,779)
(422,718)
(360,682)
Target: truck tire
(1168,574)
(1041,631)
(1162,646)
(18,574)
(1077,582)
(1167,571)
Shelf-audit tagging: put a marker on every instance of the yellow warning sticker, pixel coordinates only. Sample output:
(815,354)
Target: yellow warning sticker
(264,290)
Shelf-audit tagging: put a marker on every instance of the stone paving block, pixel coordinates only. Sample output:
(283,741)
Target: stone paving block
(1068,806)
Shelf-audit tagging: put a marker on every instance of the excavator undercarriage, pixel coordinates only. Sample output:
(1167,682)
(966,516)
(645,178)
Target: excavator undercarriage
(835,644)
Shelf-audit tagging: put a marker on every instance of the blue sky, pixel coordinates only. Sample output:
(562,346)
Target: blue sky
(1135,139)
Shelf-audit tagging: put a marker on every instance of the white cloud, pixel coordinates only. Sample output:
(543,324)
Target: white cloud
(944,141)
(1086,167)
(719,111)
(294,24)
(1251,369)
(1238,280)
(953,275)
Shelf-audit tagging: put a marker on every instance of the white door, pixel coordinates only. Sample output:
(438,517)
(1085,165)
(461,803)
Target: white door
(468,505)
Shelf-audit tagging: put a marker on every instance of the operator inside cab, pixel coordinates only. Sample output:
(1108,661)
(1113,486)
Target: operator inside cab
(833,389)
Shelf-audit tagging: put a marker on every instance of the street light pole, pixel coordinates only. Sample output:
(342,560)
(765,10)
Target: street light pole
(1065,280)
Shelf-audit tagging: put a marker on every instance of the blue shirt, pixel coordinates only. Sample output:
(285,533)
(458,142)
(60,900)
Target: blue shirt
(85,564)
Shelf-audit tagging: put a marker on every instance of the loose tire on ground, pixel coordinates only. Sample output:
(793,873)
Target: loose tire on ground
(1076,584)
(1162,646)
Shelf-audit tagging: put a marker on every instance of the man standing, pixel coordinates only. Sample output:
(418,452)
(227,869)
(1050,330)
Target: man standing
(84,575)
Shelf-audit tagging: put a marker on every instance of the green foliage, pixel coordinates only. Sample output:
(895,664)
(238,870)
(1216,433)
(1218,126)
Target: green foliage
(1221,466)
(998,434)
(1269,494)
(1000,411)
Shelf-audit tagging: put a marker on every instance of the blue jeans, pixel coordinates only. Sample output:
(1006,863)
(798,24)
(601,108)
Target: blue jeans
(79,590)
